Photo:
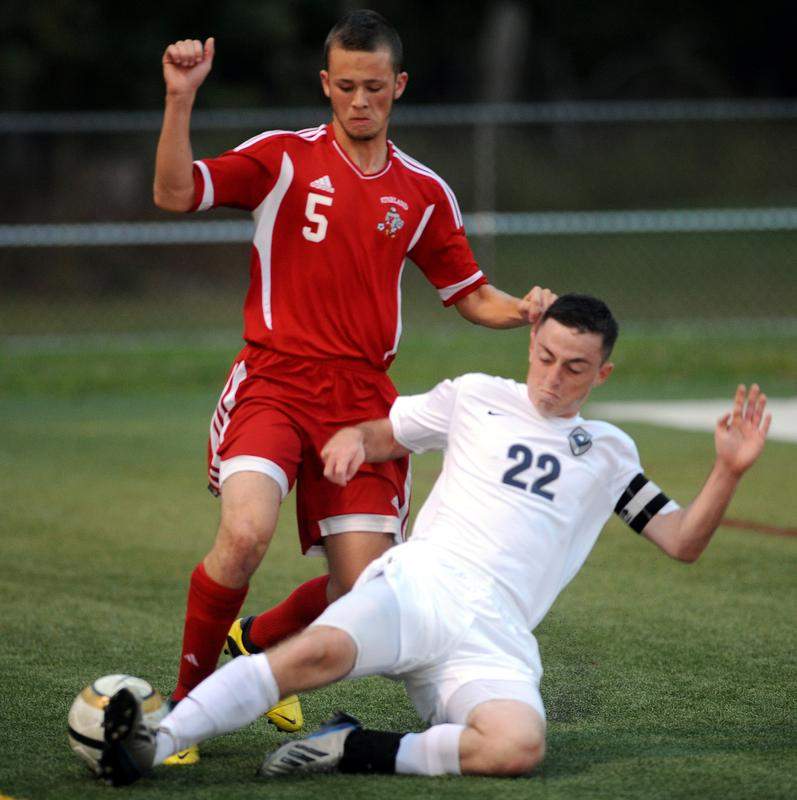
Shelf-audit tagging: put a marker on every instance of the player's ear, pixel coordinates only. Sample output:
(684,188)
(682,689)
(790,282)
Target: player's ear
(605,370)
(401,85)
(324,75)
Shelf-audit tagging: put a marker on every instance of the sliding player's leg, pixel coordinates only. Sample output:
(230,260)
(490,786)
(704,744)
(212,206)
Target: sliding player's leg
(499,737)
(502,737)
(468,670)
(343,642)
(230,698)
(244,688)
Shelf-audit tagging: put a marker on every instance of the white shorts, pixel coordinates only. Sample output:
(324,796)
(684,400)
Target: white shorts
(437,626)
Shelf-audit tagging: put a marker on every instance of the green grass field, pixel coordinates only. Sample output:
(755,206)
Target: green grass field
(661,680)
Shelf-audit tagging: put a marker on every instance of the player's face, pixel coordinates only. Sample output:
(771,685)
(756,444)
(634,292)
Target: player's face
(361,88)
(564,366)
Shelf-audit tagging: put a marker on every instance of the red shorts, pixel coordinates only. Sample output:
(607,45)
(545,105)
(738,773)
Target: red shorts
(275,414)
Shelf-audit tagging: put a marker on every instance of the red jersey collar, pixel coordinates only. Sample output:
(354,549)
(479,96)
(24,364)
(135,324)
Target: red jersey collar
(360,174)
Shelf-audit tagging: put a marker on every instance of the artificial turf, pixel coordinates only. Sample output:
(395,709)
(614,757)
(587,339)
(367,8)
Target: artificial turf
(661,680)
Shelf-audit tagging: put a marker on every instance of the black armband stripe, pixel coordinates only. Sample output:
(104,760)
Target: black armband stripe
(649,511)
(640,502)
(636,484)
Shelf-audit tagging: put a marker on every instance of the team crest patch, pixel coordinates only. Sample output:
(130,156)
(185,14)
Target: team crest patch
(580,441)
(391,224)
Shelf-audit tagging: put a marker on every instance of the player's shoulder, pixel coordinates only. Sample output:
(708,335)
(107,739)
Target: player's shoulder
(483,379)
(265,142)
(610,438)
(484,386)
(426,179)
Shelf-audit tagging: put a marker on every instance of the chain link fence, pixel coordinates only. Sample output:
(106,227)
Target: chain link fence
(674,212)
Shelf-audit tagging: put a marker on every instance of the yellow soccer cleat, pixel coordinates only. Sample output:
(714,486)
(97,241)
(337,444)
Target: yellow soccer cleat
(184,758)
(238,641)
(287,714)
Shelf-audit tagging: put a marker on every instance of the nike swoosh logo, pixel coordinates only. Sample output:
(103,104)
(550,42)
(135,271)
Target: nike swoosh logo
(496,414)
(292,720)
(182,756)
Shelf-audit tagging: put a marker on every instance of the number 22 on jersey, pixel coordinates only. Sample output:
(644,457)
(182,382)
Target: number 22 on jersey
(317,233)
(546,462)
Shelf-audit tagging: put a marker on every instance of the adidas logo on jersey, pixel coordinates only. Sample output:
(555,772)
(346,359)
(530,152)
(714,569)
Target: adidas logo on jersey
(324,184)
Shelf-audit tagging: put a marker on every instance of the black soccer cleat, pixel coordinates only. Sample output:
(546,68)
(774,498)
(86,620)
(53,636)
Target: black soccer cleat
(129,742)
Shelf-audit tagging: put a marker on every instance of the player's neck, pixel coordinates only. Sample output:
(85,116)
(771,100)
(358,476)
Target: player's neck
(368,155)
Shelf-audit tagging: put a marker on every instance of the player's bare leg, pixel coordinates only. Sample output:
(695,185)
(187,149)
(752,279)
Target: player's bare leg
(348,554)
(250,503)
(502,737)
(249,509)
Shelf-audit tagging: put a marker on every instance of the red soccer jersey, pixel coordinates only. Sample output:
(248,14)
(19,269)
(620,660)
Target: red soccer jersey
(330,242)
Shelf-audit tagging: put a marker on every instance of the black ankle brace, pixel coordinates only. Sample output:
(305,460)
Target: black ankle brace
(370,751)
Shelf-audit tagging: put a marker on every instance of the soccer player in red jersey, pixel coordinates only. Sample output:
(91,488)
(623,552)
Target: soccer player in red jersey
(337,210)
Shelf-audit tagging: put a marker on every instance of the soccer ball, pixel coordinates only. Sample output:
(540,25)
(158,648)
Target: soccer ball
(86,735)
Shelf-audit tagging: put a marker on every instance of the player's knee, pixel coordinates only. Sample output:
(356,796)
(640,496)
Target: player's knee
(514,754)
(328,651)
(242,541)
(509,739)
(526,753)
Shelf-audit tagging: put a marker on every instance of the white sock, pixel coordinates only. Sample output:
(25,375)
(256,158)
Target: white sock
(230,698)
(433,752)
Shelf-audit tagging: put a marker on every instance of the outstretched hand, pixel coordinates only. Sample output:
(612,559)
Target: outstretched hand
(536,303)
(186,64)
(740,434)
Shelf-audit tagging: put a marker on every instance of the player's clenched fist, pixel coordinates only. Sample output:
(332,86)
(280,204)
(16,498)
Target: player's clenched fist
(343,455)
(186,64)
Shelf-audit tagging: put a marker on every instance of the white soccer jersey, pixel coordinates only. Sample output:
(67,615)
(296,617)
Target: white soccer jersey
(521,497)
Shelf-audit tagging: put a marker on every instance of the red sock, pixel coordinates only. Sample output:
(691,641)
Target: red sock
(292,615)
(212,608)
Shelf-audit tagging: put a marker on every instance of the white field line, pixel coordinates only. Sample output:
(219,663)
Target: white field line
(696,415)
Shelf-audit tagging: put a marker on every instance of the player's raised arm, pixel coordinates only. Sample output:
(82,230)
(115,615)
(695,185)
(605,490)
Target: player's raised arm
(496,309)
(186,64)
(739,439)
(346,451)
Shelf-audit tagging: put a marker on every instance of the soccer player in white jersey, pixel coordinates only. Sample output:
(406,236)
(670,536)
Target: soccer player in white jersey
(525,488)
(337,210)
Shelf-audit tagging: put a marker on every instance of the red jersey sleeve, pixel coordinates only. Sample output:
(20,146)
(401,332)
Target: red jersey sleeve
(442,252)
(239,178)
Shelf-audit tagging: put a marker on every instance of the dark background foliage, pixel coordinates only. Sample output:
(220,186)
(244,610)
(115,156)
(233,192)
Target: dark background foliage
(92,54)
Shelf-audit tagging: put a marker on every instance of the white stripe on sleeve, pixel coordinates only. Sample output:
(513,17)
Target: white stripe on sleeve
(207,193)
(448,292)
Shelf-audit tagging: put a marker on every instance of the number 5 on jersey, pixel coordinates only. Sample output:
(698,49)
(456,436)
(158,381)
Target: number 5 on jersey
(319,220)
